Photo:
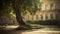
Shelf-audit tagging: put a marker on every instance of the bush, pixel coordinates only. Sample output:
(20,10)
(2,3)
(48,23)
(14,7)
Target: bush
(47,22)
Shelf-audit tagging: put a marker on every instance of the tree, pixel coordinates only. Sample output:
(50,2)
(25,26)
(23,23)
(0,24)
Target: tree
(18,7)
(5,4)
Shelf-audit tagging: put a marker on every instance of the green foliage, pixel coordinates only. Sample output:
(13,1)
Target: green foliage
(31,6)
(46,22)
(6,9)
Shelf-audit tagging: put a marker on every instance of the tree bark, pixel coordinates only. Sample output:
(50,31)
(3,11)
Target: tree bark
(18,16)
(18,13)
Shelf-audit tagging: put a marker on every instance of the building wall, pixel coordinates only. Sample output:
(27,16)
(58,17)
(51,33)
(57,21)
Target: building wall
(46,15)
(49,11)
(48,5)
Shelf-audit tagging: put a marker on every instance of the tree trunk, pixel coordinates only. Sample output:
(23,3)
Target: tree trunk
(18,13)
(19,17)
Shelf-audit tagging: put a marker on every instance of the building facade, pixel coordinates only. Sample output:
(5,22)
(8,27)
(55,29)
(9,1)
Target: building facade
(50,10)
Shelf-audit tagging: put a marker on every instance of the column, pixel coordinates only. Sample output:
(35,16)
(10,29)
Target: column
(34,17)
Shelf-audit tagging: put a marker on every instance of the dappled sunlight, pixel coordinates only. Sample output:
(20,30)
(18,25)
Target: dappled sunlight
(42,32)
(12,14)
(9,27)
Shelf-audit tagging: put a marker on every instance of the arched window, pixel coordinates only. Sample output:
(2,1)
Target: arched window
(41,17)
(51,15)
(46,17)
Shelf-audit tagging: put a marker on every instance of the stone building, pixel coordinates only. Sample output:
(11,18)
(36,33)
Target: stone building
(50,10)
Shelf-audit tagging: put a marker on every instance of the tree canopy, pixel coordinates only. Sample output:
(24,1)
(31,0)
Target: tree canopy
(30,5)
(18,6)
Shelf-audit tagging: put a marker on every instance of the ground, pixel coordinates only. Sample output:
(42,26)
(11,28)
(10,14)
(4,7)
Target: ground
(36,29)
(46,30)
(39,31)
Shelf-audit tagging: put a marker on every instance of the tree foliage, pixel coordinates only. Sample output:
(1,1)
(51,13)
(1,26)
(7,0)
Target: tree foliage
(31,6)
(18,7)
(4,8)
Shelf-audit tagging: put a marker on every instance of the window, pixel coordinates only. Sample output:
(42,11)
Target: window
(41,17)
(51,6)
(47,6)
(36,17)
(43,6)
(51,15)
(57,5)
(46,17)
